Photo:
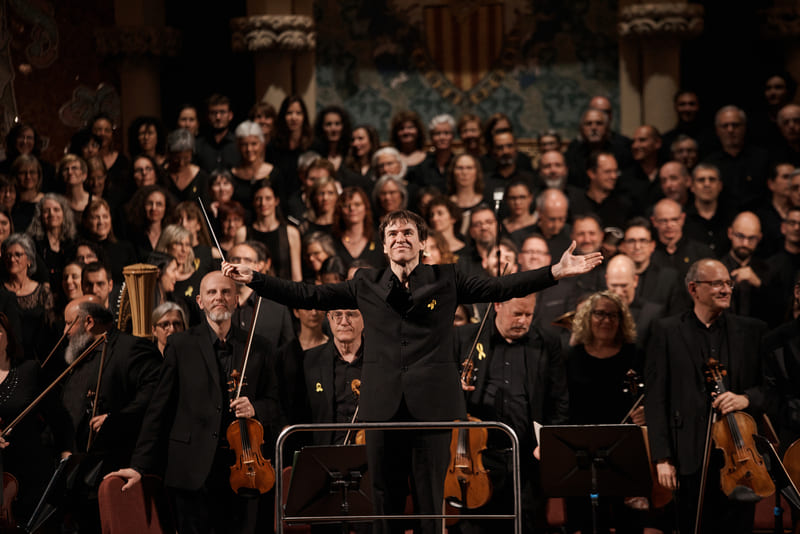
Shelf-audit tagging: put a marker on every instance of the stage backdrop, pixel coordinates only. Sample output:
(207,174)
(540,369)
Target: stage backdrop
(537,61)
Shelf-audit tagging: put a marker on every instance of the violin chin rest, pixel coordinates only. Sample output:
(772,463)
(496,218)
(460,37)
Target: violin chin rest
(744,494)
(455,503)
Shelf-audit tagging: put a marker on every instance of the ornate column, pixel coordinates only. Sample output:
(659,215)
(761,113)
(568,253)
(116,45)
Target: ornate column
(782,22)
(650,36)
(283,48)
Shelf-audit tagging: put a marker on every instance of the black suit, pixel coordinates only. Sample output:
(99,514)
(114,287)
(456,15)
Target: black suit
(545,381)
(180,434)
(677,404)
(409,372)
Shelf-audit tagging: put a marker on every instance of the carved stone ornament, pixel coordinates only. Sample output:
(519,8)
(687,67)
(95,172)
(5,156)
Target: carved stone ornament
(661,20)
(273,32)
(781,22)
(135,41)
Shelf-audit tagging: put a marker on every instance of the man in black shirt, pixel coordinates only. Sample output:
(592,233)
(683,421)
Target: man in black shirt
(521,378)
(750,273)
(329,371)
(673,248)
(218,148)
(708,216)
(600,198)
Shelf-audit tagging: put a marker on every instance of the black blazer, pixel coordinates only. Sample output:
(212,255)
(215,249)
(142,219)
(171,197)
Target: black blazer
(546,378)
(182,424)
(676,403)
(407,355)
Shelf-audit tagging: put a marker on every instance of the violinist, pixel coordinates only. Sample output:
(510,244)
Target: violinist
(520,379)
(111,417)
(329,371)
(24,454)
(677,404)
(182,436)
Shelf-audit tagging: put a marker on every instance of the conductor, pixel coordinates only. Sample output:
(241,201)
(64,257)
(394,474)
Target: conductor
(409,373)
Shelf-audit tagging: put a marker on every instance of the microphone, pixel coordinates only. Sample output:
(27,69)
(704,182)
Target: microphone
(497,196)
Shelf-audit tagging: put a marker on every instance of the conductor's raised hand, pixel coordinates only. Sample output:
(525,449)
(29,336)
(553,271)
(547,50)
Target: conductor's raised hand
(238,272)
(571,265)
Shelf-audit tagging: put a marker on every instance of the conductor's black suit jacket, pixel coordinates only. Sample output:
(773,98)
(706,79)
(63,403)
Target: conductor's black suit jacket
(676,403)
(407,354)
(182,425)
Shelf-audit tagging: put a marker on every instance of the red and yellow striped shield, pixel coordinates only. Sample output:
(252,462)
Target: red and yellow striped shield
(464,45)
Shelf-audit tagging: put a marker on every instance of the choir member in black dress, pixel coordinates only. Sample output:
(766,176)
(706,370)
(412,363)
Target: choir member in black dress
(281,239)
(354,230)
(24,453)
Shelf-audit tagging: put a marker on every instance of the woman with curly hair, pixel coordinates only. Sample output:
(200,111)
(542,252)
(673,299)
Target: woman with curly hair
(332,134)
(408,137)
(176,241)
(354,229)
(146,135)
(604,349)
(53,232)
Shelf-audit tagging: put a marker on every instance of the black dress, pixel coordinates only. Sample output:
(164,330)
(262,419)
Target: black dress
(27,457)
(197,188)
(277,243)
(37,313)
(244,190)
(372,254)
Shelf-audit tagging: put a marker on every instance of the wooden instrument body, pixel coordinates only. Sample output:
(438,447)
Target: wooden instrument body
(10,490)
(251,471)
(733,435)
(467,481)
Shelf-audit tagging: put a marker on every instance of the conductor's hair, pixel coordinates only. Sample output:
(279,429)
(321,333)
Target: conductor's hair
(404,216)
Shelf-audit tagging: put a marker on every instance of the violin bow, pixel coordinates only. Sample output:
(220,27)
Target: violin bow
(210,228)
(478,334)
(60,340)
(250,336)
(49,388)
(97,393)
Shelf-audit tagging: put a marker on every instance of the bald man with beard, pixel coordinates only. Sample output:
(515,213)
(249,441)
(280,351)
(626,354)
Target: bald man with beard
(749,272)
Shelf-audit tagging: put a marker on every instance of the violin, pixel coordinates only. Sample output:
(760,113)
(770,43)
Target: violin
(10,489)
(360,439)
(467,483)
(250,472)
(634,386)
(733,435)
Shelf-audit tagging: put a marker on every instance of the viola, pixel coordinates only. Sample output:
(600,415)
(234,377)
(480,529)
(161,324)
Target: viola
(360,439)
(251,471)
(733,435)
(10,489)
(634,386)
(467,483)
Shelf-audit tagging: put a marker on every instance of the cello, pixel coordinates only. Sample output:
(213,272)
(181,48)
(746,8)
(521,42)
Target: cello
(251,472)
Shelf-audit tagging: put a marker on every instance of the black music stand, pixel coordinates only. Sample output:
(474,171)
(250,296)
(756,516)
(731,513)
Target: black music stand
(330,481)
(608,460)
(55,491)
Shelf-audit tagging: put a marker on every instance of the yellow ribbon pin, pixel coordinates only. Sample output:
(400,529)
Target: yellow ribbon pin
(189,291)
(432,304)
(481,353)
(318,387)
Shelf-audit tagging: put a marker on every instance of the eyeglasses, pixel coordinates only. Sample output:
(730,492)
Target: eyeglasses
(176,325)
(716,284)
(789,222)
(602,314)
(641,242)
(339,316)
(16,255)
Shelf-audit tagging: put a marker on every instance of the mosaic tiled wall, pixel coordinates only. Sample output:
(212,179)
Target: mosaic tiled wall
(375,57)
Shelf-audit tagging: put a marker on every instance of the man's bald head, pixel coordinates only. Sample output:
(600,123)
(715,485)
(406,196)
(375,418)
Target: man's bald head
(217,297)
(552,205)
(621,277)
(74,307)
(745,235)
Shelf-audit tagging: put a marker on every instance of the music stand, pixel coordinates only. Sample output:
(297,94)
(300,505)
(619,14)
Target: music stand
(54,492)
(608,460)
(330,481)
